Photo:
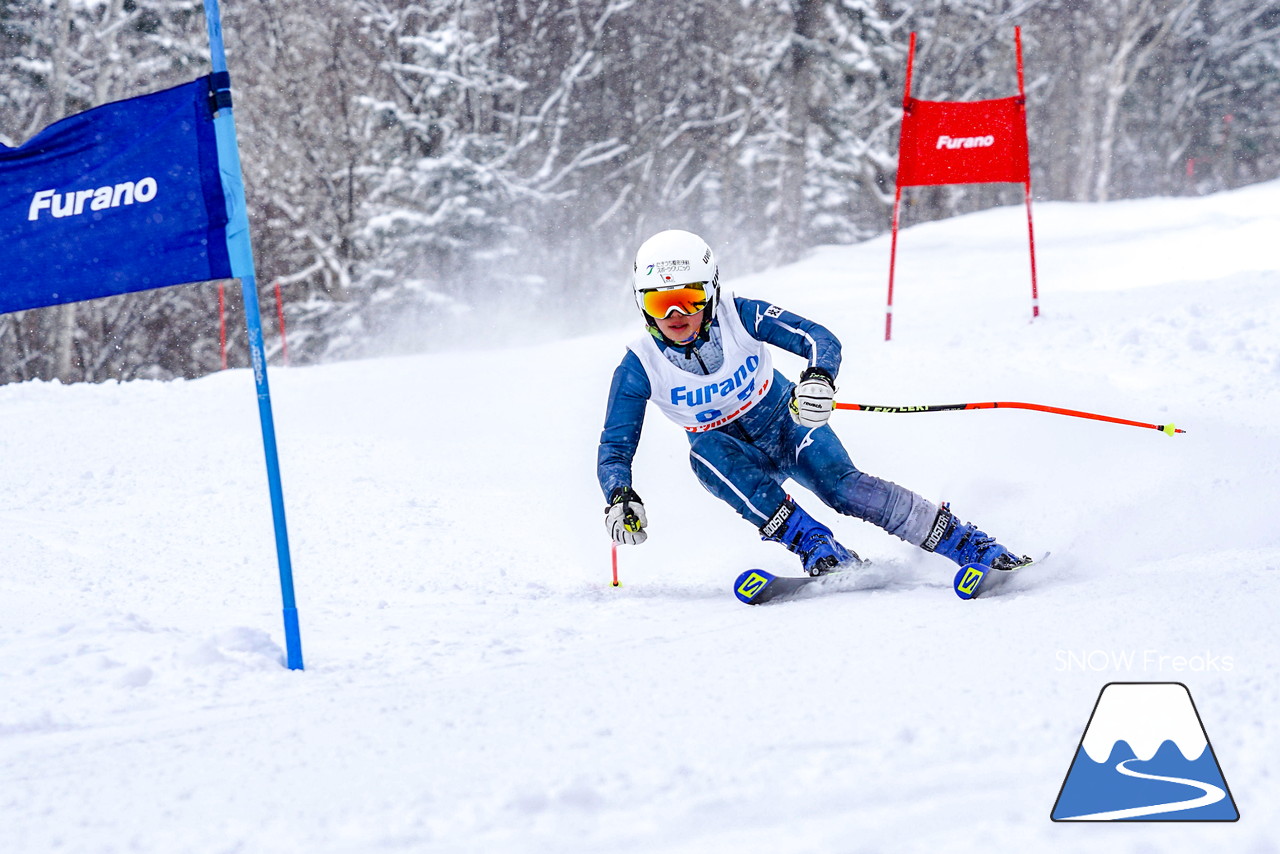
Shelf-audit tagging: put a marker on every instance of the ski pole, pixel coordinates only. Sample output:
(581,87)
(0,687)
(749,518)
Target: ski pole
(616,583)
(1167,429)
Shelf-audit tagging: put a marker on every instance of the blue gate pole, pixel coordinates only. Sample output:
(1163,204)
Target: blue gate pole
(241,255)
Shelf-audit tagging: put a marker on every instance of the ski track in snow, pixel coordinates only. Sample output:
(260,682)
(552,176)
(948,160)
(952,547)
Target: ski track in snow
(1210,794)
(473,682)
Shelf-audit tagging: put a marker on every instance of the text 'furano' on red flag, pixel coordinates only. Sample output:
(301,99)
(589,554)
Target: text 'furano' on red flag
(963,142)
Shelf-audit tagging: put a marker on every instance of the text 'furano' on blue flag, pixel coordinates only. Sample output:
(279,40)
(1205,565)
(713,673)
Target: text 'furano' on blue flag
(123,197)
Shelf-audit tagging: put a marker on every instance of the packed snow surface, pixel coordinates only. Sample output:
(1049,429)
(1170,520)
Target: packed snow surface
(474,683)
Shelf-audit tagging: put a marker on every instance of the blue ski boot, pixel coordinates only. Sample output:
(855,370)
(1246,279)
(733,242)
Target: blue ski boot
(807,537)
(965,544)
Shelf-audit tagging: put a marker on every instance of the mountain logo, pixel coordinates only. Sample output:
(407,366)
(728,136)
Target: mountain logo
(1145,756)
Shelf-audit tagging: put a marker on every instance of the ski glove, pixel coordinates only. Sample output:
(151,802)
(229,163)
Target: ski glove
(813,397)
(624,518)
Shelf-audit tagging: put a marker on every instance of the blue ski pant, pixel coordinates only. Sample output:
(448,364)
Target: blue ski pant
(749,476)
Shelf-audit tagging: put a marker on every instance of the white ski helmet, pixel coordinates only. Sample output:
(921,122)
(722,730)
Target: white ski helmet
(671,259)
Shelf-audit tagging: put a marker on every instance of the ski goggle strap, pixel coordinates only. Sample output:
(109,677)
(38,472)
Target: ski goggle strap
(685,299)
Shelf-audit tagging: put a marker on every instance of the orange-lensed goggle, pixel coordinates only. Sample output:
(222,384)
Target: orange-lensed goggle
(686,299)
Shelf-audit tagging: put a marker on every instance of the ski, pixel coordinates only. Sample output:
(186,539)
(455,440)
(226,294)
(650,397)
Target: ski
(758,586)
(976,580)
(755,586)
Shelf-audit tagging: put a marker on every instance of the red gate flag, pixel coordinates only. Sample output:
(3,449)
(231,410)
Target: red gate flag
(957,142)
(962,142)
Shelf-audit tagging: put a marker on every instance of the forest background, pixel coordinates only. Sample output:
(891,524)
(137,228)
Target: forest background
(453,173)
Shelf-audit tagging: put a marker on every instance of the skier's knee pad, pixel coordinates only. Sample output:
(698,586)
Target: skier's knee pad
(897,510)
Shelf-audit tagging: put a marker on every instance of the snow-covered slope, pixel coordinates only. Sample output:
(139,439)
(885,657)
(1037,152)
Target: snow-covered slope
(473,683)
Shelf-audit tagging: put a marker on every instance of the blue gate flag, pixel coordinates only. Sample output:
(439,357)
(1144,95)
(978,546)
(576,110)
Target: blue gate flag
(123,197)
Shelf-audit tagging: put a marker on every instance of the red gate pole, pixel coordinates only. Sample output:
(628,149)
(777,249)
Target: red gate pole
(222,323)
(897,194)
(284,340)
(1031,236)
(893,257)
(1031,232)
(1017,38)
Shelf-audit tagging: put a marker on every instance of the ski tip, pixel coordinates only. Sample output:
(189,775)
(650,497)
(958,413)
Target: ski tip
(750,583)
(969,580)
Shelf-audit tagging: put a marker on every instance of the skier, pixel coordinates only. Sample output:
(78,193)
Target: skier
(704,363)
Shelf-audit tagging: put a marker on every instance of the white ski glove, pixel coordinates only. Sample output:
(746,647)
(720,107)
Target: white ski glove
(813,397)
(624,518)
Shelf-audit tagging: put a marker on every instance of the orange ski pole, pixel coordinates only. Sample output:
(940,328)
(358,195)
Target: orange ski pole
(1167,429)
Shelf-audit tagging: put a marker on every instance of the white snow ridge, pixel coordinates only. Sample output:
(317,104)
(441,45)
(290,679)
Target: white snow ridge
(1145,715)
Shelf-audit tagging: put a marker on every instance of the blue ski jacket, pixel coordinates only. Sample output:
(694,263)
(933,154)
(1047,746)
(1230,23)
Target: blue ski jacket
(760,425)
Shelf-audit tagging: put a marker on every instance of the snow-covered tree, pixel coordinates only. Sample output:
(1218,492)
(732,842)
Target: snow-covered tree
(414,167)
